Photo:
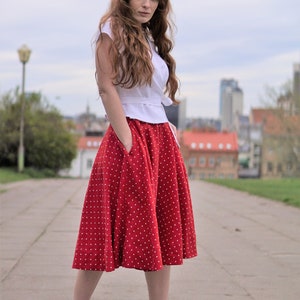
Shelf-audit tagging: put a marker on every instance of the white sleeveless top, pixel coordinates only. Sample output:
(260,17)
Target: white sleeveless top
(144,102)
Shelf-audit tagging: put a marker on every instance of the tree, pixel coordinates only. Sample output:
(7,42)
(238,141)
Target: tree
(275,96)
(284,136)
(9,128)
(48,141)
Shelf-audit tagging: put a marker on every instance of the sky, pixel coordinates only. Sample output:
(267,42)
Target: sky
(256,42)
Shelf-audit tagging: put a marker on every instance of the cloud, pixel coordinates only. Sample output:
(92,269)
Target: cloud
(202,88)
(256,42)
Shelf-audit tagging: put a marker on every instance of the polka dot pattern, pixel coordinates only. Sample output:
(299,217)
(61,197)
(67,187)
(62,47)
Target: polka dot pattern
(137,211)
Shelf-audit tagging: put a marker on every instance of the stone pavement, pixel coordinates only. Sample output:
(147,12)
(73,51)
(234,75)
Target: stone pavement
(249,247)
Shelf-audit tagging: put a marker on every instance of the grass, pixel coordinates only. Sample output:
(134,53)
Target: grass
(8,175)
(283,190)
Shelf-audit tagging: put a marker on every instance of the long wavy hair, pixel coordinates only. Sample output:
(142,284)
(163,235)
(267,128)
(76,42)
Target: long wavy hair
(130,51)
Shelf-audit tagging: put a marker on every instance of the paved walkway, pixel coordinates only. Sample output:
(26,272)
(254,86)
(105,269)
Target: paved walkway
(249,247)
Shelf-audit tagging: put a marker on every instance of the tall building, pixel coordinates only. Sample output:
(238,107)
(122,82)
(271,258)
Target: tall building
(296,88)
(231,103)
(177,114)
(225,83)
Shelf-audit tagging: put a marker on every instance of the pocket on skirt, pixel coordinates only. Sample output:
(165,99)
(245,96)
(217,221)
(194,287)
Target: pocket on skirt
(121,144)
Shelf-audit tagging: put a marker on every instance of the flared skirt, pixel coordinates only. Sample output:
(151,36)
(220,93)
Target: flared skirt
(137,211)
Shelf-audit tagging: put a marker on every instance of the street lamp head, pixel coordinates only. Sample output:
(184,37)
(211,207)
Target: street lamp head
(24,54)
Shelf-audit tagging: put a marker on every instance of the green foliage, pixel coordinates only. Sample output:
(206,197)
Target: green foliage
(47,138)
(37,173)
(8,175)
(284,190)
(11,175)
(9,128)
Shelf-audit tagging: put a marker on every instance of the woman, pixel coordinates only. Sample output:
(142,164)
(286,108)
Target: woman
(137,211)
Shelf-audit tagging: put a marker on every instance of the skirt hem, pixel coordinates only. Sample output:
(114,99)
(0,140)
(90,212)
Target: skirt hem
(133,267)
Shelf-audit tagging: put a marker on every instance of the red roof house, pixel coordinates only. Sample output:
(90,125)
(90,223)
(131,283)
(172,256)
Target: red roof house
(211,141)
(87,148)
(89,142)
(210,154)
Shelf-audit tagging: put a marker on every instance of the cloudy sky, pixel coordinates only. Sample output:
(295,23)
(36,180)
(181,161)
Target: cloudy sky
(254,41)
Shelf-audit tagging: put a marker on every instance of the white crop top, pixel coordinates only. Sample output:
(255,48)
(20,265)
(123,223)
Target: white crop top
(144,102)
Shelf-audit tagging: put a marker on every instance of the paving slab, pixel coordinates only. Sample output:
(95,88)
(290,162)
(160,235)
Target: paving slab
(249,247)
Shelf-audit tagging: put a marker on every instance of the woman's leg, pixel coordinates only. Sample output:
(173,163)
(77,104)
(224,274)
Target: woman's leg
(86,283)
(158,283)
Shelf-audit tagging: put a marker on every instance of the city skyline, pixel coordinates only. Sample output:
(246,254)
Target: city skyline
(254,42)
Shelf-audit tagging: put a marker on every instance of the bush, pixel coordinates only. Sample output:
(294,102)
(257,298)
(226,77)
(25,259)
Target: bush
(36,173)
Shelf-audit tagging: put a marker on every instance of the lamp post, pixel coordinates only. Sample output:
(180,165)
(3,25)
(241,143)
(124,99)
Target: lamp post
(24,54)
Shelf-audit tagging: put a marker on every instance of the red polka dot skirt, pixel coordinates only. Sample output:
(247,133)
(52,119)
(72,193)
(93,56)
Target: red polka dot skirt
(137,211)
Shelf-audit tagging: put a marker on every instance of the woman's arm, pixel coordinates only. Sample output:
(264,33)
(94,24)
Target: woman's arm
(108,93)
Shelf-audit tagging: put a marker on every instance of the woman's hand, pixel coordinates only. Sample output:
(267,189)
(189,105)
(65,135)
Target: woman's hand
(174,129)
(128,145)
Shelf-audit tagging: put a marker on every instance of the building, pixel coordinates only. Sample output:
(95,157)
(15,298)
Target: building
(87,147)
(231,103)
(225,83)
(280,143)
(296,89)
(286,103)
(210,154)
(177,114)
(243,134)
(203,124)
(255,142)
(289,101)
(249,141)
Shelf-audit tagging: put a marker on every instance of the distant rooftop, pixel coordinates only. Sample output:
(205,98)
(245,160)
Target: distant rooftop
(89,142)
(211,141)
